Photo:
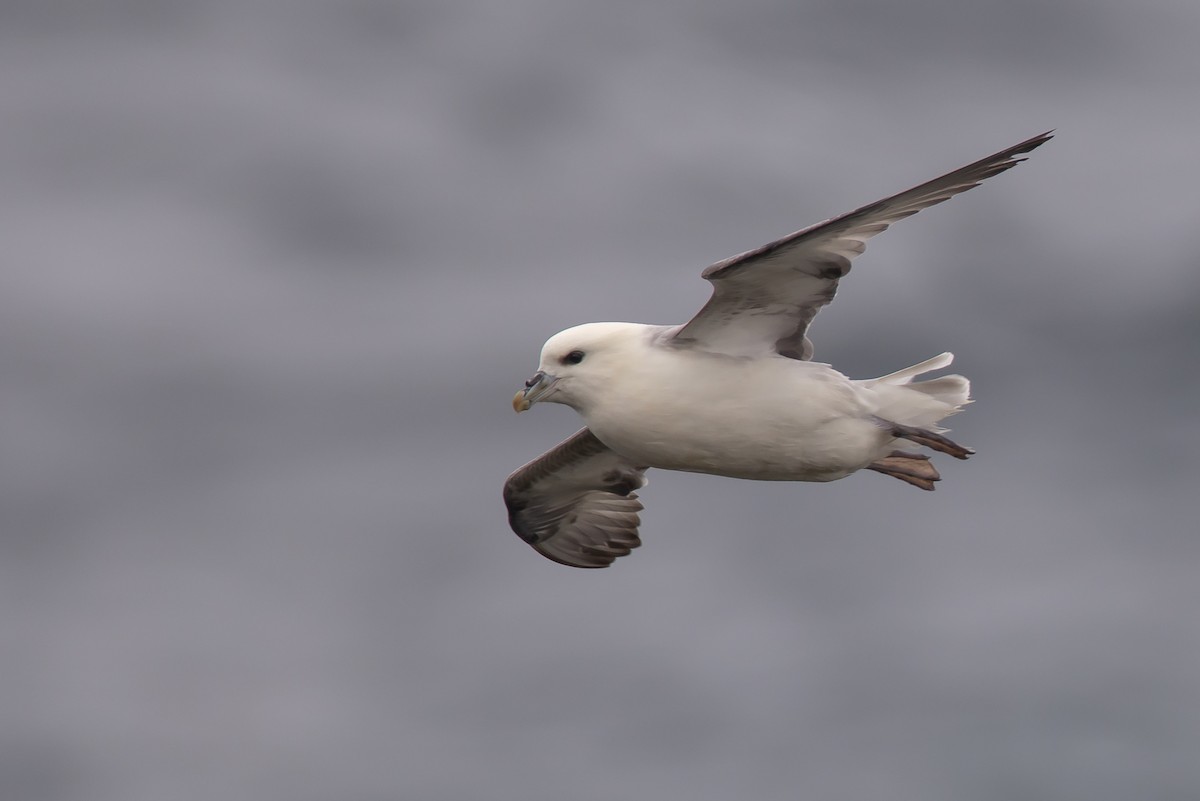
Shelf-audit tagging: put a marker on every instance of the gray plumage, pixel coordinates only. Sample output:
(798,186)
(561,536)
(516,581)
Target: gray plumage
(655,396)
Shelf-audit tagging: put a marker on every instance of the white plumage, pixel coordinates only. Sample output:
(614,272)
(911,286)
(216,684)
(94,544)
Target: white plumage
(732,392)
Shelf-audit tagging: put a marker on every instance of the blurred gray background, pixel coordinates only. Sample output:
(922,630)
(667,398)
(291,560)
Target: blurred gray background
(273,269)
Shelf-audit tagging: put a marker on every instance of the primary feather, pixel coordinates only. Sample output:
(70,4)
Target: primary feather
(733,392)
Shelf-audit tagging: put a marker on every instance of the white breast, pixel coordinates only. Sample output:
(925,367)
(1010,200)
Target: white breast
(769,419)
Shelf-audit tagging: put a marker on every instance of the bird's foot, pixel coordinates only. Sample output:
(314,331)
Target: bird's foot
(929,439)
(914,468)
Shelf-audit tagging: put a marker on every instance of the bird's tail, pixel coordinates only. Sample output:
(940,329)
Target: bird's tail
(920,403)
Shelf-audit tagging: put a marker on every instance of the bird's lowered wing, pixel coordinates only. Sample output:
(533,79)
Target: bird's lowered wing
(764,299)
(576,503)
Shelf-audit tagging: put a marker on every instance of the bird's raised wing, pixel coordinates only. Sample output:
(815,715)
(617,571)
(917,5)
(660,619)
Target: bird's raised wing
(576,504)
(764,299)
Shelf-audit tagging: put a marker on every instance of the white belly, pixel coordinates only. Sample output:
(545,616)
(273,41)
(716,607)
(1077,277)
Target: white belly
(773,419)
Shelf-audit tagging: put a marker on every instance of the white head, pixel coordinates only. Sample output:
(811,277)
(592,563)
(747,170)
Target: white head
(577,363)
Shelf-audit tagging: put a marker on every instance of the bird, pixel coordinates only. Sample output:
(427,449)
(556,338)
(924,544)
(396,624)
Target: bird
(733,392)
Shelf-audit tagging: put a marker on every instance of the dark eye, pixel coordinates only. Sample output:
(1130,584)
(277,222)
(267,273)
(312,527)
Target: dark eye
(574,357)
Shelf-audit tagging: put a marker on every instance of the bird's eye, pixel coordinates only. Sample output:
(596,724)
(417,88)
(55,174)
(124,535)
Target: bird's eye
(574,357)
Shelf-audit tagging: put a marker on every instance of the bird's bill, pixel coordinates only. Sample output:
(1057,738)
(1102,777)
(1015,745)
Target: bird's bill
(535,389)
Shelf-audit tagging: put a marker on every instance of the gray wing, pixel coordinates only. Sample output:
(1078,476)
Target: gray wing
(576,504)
(764,299)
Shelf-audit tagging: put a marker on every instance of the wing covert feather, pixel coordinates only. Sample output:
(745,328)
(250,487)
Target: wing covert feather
(575,504)
(764,300)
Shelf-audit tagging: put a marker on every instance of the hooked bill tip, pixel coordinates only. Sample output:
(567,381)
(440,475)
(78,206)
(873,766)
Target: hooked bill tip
(519,402)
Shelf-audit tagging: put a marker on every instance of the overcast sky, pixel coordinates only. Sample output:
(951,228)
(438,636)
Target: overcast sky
(274,268)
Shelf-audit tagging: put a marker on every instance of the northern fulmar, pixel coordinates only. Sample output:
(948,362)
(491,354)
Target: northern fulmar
(733,392)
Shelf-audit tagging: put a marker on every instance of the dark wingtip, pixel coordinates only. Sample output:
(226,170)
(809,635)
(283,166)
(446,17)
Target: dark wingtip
(1032,143)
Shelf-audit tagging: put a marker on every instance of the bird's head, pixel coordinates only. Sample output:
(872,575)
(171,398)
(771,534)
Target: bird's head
(577,363)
